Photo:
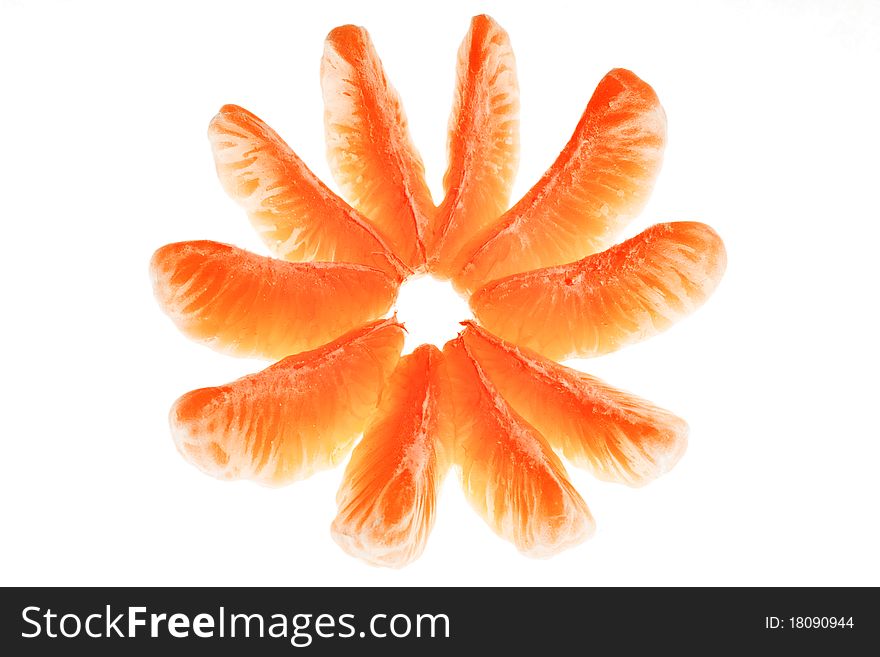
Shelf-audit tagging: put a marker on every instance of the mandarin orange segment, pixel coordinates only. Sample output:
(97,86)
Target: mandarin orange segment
(601,180)
(369,149)
(296,215)
(607,300)
(483,144)
(294,418)
(388,496)
(615,435)
(510,474)
(253,306)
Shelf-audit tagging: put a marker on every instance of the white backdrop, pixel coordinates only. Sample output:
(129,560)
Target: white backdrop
(773,140)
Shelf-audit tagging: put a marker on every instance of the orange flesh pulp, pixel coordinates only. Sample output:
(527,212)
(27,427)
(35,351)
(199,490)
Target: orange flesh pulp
(544,285)
(510,475)
(369,148)
(483,144)
(296,215)
(250,305)
(615,435)
(293,418)
(605,301)
(600,180)
(389,492)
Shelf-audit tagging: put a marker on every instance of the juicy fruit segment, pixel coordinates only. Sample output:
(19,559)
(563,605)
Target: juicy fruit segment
(296,215)
(602,179)
(483,143)
(607,300)
(250,305)
(389,492)
(294,418)
(369,148)
(615,435)
(510,474)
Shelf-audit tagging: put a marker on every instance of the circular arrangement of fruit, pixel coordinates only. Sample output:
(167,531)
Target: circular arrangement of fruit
(544,279)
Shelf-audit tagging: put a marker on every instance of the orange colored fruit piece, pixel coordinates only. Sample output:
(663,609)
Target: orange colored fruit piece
(601,180)
(389,492)
(615,435)
(607,300)
(369,149)
(294,418)
(483,144)
(296,215)
(250,305)
(510,474)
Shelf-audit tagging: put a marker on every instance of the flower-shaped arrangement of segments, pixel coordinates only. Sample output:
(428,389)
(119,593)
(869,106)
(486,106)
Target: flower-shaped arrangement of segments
(544,279)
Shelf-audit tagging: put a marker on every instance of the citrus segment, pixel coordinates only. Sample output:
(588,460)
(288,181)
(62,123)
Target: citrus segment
(483,143)
(615,435)
(253,306)
(296,215)
(295,417)
(389,492)
(369,148)
(607,300)
(600,180)
(510,474)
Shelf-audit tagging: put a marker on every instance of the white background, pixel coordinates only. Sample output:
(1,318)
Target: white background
(773,139)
